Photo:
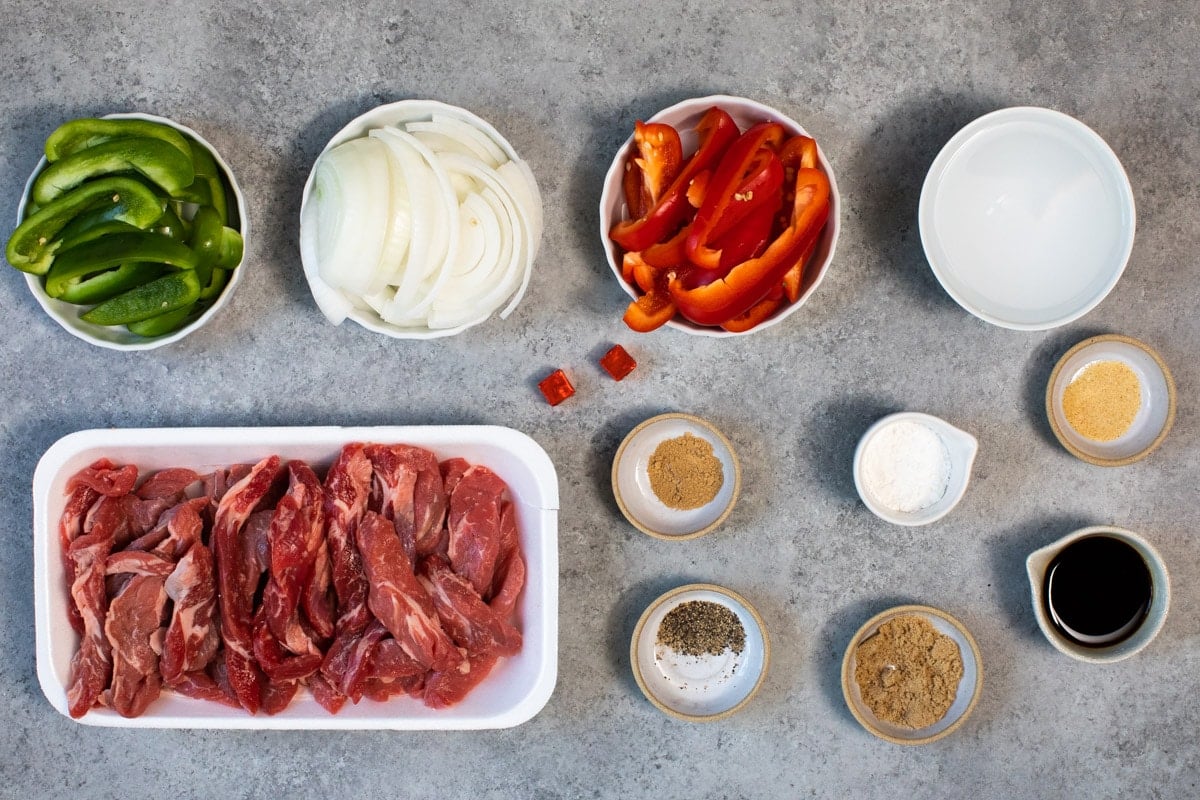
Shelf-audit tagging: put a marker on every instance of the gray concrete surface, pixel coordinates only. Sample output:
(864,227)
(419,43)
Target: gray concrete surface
(882,86)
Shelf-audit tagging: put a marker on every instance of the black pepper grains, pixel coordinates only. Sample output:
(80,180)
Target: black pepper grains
(698,627)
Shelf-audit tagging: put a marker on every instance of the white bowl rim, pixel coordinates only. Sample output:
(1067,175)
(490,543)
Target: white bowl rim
(950,149)
(45,301)
(833,225)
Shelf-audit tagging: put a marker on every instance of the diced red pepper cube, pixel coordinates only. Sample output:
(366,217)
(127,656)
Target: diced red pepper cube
(556,387)
(617,362)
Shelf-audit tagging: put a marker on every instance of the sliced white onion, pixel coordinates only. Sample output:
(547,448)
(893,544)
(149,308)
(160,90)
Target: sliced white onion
(427,224)
(349,248)
(469,133)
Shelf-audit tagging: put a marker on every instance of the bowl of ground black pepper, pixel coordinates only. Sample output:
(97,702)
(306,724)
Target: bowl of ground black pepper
(912,674)
(675,476)
(700,652)
(1110,400)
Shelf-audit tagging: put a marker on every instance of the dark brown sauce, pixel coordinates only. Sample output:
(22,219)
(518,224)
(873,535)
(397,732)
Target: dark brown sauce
(1097,591)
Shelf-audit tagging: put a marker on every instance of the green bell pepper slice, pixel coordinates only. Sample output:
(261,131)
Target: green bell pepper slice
(163,323)
(168,293)
(93,232)
(80,134)
(198,192)
(32,246)
(216,284)
(171,226)
(87,290)
(232,249)
(114,250)
(207,168)
(206,240)
(156,160)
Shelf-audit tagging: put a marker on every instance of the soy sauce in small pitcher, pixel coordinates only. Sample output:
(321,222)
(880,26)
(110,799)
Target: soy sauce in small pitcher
(1098,591)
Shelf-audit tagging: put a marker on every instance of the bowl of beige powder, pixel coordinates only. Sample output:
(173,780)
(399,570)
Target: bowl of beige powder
(1110,400)
(912,674)
(676,476)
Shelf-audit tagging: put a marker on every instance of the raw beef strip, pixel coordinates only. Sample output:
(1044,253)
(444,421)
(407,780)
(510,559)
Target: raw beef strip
(192,637)
(115,515)
(395,481)
(447,687)
(277,696)
(382,690)
(135,562)
(510,568)
(464,615)
(389,662)
(280,665)
(349,660)
(134,630)
(177,528)
(297,530)
(417,500)
(200,686)
(106,478)
(169,483)
(325,694)
(474,526)
(317,599)
(255,541)
(347,489)
(237,580)
(91,666)
(452,470)
(397,598)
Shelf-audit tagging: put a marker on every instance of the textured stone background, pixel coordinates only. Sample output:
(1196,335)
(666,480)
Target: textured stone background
(882,88)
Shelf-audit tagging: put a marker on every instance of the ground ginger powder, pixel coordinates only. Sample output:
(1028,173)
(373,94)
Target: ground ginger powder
(1103,400)
(685,473)
(908,673)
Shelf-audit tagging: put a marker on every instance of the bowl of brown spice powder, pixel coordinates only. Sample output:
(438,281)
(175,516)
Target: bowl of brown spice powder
(675,476)
(912,674)
(700,652)
(1110,400)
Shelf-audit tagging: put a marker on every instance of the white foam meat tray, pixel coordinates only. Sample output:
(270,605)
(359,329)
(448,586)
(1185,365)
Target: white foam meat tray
(516,690)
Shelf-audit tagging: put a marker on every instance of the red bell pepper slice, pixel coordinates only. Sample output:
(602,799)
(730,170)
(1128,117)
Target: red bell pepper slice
(742,156)
(751,281)
(758,313)
(650,311)
(698,187)
(748,239)
(795,275)
(716,131)
(633,187)
(764,185)
(660,156)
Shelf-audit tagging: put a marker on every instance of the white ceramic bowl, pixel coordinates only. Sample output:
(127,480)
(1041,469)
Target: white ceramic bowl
(960,446)
(636,498)
(969,686)
(1153,419)
(699,688)
(327,298)
(1039,561)
(516,690)
(117,337)
(684,117)
(1027,218)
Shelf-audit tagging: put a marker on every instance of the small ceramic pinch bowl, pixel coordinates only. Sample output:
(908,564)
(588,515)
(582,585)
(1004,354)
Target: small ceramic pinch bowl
(1160,603)
(699,688)
(636,498)
(1154,416)
(118,337)
(961,447)
(1027,218)
(684,116)
(969,686)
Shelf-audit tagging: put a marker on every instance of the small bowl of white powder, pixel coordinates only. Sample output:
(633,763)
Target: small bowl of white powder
(912,468)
